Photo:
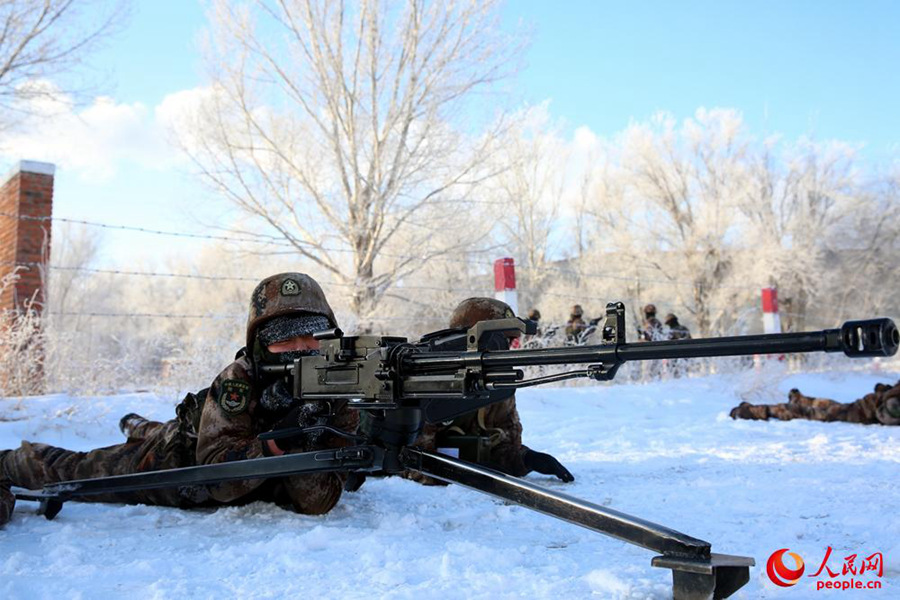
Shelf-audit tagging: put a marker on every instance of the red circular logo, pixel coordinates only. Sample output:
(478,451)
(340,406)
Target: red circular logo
(780,573)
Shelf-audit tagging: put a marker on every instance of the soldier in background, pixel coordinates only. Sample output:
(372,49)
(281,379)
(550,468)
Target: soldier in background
(219,424)
(881,407)
(576,325)
(492,435)
(530,341)
(677,331)
(652,329)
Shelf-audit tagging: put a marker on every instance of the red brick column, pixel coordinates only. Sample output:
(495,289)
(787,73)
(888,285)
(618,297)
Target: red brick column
(27,192)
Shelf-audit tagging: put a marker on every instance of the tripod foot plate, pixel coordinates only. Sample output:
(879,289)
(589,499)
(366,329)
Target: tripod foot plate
(711,578)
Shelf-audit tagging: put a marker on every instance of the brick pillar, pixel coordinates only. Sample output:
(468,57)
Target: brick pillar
(27,192)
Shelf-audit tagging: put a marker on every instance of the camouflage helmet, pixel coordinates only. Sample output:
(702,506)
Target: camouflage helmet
(472,310)
(650,310)
(286,294)
(577,311)
(670,319)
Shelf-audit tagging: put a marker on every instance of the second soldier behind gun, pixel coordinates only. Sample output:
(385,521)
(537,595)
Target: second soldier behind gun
(491,436)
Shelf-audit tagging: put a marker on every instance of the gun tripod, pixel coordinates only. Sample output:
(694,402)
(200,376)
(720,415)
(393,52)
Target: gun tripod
(697,573)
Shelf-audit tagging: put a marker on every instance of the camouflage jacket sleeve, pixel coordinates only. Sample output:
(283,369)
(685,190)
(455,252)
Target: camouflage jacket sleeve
(888,411)
(501,421)
(228,427)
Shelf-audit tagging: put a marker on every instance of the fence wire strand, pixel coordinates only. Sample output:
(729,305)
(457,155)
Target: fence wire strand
(522,267)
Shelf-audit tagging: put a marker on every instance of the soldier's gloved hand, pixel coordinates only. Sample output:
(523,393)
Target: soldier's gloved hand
(547,465)
(301,416)
(277,397)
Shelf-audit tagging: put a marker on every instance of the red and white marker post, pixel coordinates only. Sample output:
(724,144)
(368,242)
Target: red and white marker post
(505,283)
(771,319)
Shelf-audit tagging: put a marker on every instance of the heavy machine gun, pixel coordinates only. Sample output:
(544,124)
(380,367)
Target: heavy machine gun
(398,386)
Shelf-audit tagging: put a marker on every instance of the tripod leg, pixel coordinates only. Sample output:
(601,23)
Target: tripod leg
(362,458)
(697,573)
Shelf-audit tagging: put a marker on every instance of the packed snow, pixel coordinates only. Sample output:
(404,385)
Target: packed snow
(665,451)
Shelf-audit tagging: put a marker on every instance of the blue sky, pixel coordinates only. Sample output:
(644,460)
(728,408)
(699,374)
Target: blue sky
(826,69)
(804,67)
(829,69)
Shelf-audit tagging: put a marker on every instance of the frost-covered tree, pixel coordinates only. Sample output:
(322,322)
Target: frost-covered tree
(796,203)
(343,127)
(528,194)
(42,41)
(672,211)
(21,346)
(866,245)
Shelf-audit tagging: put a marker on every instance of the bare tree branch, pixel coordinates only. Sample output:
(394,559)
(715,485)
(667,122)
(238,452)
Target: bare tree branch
(41,41)
(346,121)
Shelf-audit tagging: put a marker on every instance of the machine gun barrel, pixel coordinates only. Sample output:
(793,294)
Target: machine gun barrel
(776,343)
(873,337)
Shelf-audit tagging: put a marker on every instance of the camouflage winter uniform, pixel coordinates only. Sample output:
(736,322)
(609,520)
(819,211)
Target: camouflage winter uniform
(576,325)
(677,331)
(33,465)
(221,426)
(497,426)
(652,329)
(7,501)
(882,407)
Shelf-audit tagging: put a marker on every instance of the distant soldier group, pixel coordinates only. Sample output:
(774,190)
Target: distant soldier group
(654,331)
(651,330)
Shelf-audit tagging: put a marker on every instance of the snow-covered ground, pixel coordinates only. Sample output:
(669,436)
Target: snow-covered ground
(665,451)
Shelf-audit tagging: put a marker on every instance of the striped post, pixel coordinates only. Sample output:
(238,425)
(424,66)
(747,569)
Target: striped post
(505,282)
(771,320)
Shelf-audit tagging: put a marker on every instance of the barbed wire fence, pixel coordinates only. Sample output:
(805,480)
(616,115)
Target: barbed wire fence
(268,241)
(159,363)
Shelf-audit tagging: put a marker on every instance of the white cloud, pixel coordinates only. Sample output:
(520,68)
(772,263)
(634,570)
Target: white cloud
(585,140)
(99,140)
(180,112)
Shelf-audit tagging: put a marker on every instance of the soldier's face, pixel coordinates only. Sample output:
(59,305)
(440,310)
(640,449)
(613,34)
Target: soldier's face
(301,342)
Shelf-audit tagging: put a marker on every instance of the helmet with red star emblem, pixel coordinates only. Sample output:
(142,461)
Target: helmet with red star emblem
(286,294)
